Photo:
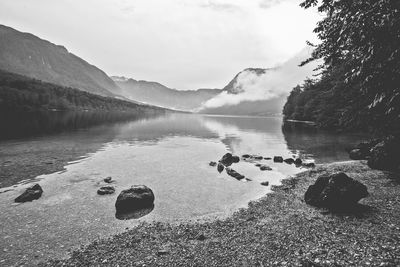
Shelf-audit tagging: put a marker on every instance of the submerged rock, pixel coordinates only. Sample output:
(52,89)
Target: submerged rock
(265,168)
(212,163)
(234,174)
(336,192)
(220,167)
(133,199)
(108,180)
(278,159)
(357,154)
(106,190)
(31,193)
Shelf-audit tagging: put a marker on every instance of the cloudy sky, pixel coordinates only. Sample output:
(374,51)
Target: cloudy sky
(184,44)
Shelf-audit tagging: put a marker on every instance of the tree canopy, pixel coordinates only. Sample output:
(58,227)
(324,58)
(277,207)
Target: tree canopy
(360,48)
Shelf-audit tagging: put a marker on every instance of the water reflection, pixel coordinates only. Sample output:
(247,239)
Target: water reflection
(169,154)
(27,124)
(323,146)
(134,214)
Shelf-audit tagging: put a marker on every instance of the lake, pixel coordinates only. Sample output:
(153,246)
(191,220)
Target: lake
(169,153)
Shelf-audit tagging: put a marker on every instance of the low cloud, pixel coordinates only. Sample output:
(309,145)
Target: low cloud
(253,86)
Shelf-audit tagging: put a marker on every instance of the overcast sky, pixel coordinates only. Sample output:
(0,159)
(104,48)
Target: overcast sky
(184,44)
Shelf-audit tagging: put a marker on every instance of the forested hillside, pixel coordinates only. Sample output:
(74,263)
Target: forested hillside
(359,83)
(20,93)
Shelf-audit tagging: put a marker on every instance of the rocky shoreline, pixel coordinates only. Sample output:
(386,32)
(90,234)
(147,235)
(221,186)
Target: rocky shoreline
(277,230)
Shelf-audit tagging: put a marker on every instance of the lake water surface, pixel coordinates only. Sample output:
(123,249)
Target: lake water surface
(169,154)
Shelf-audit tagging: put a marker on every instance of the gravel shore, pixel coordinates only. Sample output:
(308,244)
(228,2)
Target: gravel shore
(278,230)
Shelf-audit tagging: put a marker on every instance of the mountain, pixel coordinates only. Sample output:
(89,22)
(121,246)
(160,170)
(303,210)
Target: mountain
(28,55)
(259,91)
(21,93)
(157,94)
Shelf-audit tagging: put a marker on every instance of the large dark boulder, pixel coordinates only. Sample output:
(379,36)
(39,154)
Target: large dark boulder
(278,159)
(31,193)
(385,155)
(135,198)
(335,192)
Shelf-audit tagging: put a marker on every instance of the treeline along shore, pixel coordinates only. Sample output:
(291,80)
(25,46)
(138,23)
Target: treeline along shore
(22,94)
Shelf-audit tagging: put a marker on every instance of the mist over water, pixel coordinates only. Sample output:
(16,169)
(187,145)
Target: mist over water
(274,82)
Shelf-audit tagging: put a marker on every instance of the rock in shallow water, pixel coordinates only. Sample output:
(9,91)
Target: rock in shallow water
(335,192)
(133,199)
(108,180)
(220,167)
(106,190)
(31,193)
(212,163)
(278,159)
(234,174)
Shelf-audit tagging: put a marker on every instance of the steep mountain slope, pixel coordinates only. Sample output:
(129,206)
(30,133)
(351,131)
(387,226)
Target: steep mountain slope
(28,55)
(157,94)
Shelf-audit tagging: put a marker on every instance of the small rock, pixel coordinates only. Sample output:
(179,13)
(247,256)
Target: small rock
(31,193)
(265,168)
(278,159)
(267,158)
(289,161)
(234,174)
(258,165)
(106,190)
(298,161)
(309,164)
(266,183)
(257,157)
(246,156)
(220,167)
(212,163)
(108,180)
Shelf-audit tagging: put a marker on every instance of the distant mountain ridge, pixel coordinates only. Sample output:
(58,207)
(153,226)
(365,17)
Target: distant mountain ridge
(157,94)
(28,55)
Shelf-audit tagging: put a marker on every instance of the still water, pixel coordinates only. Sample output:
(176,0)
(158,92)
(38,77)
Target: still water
(169,154)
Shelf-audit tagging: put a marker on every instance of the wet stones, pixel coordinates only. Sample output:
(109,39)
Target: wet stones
(278,159)
(234,174)
(220,167)
(289,161)
(265,168)
(298,161)
(108,180)
(228,159)
(106,190)
(212,163)
(31,193)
